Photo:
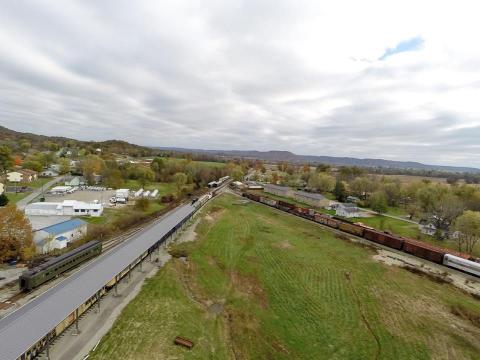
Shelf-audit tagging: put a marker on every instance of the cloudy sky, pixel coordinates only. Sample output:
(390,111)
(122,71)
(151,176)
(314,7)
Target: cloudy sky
(386,79)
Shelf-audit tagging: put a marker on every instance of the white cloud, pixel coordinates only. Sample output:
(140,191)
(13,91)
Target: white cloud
(293,75)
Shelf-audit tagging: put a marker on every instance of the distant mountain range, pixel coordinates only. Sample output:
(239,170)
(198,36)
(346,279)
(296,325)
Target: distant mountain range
(277,156)
(13,137)
(117,146)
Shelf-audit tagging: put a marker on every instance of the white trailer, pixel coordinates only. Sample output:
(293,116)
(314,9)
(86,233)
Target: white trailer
(122,194)
(154,193)
(138,193)
(146,194)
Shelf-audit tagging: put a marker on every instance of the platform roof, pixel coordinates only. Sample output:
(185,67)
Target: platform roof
(20,330)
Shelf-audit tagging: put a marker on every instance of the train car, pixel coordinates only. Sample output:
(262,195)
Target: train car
(285,206)
(383,238)
(326,220)
(268,201)
(254,197)
(38,275)
(351,228)
(462,264)
(423,250)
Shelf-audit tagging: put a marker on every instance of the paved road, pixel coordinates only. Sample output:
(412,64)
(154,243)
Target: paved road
(36,192)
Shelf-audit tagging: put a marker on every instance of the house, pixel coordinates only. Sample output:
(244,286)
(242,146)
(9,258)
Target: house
(2,188)
(65,208)
(353,199)
(76,181)
(58,236)
(49,173)
(284,191)
(309,198)
(333,205)
(22,175)
(347,210)
(427,228)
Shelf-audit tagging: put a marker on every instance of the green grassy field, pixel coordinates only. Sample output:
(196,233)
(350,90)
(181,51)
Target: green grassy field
(263,285)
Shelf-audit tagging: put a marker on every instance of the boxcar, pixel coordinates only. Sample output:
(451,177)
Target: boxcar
(285,206)
(379,237)
(268,201)
(254,197)
(424,251)
(350,228)
(327,220)
(32,278)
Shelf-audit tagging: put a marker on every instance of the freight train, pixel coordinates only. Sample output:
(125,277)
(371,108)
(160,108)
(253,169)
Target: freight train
(38,275)
(417,248)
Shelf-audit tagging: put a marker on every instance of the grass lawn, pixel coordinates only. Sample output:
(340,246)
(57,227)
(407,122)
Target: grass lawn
(212,164)
(16,197)
(259,284)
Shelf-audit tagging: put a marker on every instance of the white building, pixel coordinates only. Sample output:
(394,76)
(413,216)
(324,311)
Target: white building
(22,175)
(76,181)
(65,208)
(2,188)
(347,211)
(427,229)
(58,236)
(313,199)
(121,195)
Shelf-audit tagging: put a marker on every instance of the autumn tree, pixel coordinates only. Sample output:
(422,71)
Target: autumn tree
(16,237)
(157,166)
(237,173)
(468,226)
(91,165)
(6,160)
(321,182)
(142,204)
(275,177)
(25,145)
(64,166)
(362,186)
(179,179)
(339,191)
(3,199)
(378,201)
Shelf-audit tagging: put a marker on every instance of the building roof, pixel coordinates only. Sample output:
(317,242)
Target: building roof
(63,227)
(40,222)
(27,172)
(347,207)
(43,206)
(39,316)
(314,196)
(277,187)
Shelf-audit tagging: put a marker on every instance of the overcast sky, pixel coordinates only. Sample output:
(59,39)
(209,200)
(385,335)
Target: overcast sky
(385,79)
